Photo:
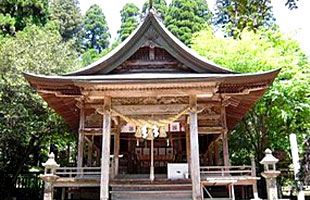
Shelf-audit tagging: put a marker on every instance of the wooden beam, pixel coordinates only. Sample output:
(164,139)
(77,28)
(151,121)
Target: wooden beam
(151,62)
(194,144)
(81,139)
(105,155)
(95,131)
(98,95)
(147,109)
(210,130)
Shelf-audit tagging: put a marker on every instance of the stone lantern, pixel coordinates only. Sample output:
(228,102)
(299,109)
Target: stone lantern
(50,165)
(270,174)
(49,176)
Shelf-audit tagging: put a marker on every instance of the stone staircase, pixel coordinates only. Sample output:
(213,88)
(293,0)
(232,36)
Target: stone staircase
(151,191)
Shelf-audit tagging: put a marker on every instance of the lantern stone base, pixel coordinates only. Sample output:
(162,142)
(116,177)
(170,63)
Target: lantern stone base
(48,179)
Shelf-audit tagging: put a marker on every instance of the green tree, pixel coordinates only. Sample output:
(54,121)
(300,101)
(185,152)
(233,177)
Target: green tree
(16,15)
(284,109)
(27,125)
(67,14)
(185,17)
(235,16)
(95,30)
(130,18)
(159,5)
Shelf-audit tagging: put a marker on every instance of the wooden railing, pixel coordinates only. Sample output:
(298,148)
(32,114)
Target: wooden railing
(220,171)
(78,171)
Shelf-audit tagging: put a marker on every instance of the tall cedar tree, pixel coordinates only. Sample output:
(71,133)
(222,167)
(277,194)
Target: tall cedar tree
(235,15)
(130,17)
(95,30)
(68,16)
(159,5)
(185,17)
(16,15)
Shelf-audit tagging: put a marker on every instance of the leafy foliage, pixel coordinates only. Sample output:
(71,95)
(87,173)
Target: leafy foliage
(67,14)
(284,109)
(16,15)
(130,17)
(185,17)
(237,15)
(95,30)
(27,125)
(159,5)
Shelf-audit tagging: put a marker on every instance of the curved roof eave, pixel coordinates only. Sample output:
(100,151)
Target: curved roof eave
(138,38)
(60,80)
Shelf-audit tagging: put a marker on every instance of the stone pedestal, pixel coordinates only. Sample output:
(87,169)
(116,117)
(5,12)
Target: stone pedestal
(271,182)
(48,186)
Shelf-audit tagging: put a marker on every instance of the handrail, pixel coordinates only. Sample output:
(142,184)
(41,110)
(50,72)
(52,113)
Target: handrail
(226,170)
(78,171)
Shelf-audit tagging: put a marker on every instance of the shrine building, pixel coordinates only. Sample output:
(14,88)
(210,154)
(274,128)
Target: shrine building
(152,119)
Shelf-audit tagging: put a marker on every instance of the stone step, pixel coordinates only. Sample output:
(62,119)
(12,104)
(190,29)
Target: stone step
(151,187)
(152,195)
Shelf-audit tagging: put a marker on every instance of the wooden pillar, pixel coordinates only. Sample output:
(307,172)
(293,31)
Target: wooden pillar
(188,147)
(81,138)
(90,152)
(254,186)
(225,150)
(194,150)
(105,154)
(216,153)
(152,173)
(63,193)
(116,148)
(225,137)
(210,156)
(232,192)
(97,156)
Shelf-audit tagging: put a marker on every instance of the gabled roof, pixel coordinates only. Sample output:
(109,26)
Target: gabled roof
(151,32)
(188,71)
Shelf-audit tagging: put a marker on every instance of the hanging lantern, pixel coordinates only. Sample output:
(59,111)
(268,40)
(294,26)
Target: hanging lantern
(138,133)
(162,132)
(168,142)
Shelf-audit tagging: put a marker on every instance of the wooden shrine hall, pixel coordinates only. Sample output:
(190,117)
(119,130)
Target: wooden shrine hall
(152,118)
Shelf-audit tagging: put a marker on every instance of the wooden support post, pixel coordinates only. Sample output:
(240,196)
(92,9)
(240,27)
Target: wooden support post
(225,150)
(97,156)
(116,148)
(81,138)
(216,153)
(188,147)
(254,186)
(194,150)
(105,155)
(232,192)
(63,193)
(152,173)
(225,137)
(90,152)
